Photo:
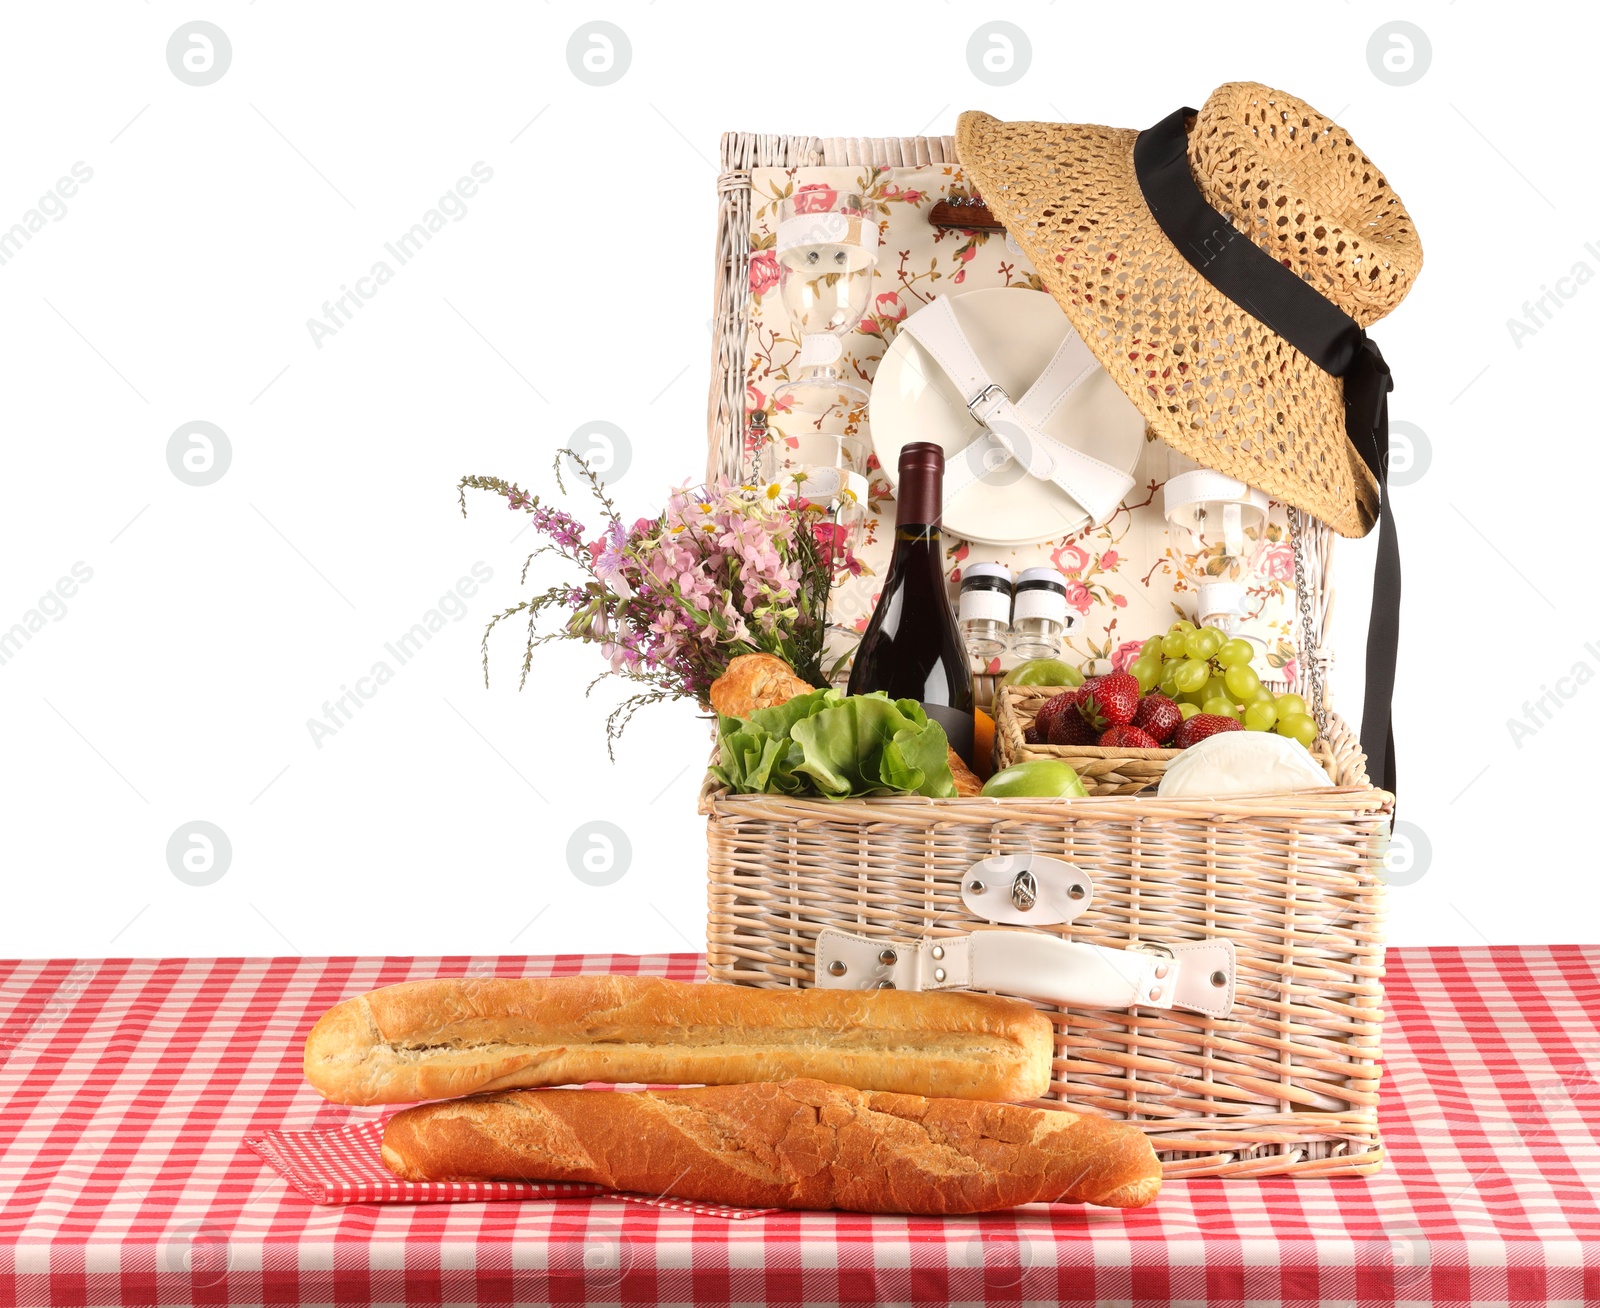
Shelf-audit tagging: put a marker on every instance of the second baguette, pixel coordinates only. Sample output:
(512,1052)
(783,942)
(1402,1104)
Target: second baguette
(798,1144)
(439,1039)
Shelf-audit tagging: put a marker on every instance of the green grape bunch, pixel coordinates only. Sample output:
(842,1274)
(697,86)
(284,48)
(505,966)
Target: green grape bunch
(1203,670)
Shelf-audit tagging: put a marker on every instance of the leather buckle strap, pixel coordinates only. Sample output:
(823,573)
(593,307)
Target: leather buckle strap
(993,394)
(1013,429)
(1197,976)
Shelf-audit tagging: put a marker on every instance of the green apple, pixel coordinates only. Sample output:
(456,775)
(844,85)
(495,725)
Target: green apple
(1037,778)
(1043,672)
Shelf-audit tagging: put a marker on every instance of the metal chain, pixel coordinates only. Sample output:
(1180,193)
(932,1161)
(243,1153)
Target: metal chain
(1310,647)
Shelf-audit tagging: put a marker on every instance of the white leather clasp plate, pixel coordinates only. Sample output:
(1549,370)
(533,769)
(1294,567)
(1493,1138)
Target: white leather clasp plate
(1195,975)
(1026,890)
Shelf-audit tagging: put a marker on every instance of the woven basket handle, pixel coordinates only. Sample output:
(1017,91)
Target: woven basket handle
(1194,975)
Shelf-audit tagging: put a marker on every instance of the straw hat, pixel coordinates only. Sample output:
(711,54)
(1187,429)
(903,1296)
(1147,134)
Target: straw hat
(1211,380)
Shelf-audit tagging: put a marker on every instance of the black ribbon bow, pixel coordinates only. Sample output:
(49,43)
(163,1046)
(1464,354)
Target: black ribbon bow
(1279,299)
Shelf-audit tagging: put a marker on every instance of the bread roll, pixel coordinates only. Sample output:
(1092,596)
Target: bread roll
(795,1144)
(439,1039)
(755,681)
(967,781)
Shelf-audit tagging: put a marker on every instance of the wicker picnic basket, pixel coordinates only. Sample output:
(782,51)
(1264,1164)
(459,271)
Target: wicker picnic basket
(1288,1081)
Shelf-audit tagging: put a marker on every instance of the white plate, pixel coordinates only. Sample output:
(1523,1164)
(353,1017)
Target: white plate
(1014,333)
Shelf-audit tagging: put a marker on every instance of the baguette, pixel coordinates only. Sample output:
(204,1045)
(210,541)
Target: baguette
(794,1144)
(439,1039)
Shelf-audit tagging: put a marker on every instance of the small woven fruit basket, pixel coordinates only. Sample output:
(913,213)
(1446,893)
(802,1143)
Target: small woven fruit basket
(1103,771)
(1286,1082)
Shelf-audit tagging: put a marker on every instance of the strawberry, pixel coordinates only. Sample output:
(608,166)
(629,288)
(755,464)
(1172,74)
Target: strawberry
(1191,731)
(1031,736)
(1128,737)
(1071,729)
(1112,702)
(1158,716)
(1051,709)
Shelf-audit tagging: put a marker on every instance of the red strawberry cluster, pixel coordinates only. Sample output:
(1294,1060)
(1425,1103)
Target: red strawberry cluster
(1102,711)
(1109,712)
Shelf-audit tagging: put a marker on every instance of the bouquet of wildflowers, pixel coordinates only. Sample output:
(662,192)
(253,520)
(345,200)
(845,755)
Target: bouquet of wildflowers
(724,570)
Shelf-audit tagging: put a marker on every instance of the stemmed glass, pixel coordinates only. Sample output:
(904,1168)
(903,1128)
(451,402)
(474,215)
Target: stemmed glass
(827,247)
(827,244)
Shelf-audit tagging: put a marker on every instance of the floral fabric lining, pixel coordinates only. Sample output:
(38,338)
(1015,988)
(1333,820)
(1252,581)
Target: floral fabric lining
(1120,576)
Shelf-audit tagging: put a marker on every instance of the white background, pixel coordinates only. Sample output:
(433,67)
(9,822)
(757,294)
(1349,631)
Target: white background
(178,682)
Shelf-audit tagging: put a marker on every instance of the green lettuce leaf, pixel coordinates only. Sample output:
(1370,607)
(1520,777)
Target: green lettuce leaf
(836,745)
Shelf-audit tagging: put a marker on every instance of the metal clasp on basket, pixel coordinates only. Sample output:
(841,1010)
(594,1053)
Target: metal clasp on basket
(1026,890)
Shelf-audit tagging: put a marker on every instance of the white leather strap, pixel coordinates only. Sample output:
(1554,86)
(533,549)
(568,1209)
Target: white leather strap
(806,230)
(1201,486)
(1197,975)
(1012,429)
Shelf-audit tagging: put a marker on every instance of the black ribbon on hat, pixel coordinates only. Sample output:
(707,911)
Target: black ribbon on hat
(1277,297)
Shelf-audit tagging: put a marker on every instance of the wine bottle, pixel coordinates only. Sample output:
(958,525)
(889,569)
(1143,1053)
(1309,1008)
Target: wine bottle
(912,648)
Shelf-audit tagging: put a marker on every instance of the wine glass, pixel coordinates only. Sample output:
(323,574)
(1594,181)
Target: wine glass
(827,244)
(1216,530)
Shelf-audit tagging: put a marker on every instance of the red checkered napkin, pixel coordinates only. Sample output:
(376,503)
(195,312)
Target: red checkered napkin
(344,1165)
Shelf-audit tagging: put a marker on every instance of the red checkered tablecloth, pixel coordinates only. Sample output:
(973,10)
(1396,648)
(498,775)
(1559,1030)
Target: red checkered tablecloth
(128,1088)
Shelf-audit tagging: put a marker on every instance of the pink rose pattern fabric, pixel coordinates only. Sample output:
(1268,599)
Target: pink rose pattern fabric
(1120,578)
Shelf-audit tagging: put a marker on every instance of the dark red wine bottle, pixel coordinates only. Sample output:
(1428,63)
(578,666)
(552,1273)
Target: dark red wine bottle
(912,648)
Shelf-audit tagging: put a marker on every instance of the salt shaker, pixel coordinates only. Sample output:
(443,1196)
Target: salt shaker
(985,612)
(1039,614)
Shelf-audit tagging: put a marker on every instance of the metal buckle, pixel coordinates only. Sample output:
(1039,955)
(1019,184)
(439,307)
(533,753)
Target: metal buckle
(986,395)
(1143,947)
(1024,891)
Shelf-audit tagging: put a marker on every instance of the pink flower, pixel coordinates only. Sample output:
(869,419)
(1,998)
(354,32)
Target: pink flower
(889,306)
(960,277)
(763,271)
(1278,563)
(1078,596)
(966,252)
(1291,671)
(1108,560)
(754,400)
(911,197)
(814,197)
(1121,601)
(1070,559)
(1123,657)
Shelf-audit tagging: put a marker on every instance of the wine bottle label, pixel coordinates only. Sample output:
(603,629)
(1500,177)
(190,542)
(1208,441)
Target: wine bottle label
(957,726)
(979,605)
(1040,602)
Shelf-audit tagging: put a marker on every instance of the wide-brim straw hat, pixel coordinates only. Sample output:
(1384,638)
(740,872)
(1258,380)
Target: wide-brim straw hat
(1211,380)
